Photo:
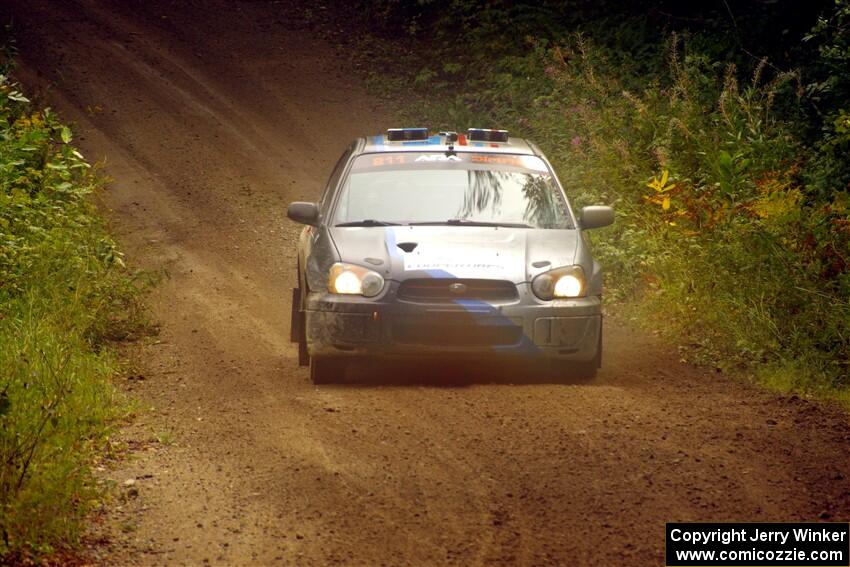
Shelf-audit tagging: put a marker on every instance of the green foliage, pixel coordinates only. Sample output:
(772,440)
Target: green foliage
(8,49)
(64,292)
(733,231)
(829,89)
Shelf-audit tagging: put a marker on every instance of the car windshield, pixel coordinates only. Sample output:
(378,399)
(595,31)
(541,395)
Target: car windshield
(465,190)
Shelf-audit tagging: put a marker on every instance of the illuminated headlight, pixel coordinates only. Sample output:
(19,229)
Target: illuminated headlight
(354,280)
(561,282)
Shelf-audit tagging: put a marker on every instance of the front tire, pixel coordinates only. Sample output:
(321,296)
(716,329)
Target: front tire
(303,353)
(295,316)
(570,371)
(579,372)
(327,370)
(582,372)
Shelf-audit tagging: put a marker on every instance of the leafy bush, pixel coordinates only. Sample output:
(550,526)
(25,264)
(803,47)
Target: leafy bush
(715,218)
(64,292)
(829,89)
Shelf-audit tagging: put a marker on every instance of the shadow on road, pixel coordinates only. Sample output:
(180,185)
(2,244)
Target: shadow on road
(451,374)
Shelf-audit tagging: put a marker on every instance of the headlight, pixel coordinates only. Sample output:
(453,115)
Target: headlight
(560,282)
(354,280)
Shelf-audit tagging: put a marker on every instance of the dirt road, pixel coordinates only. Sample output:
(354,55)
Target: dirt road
(211,117)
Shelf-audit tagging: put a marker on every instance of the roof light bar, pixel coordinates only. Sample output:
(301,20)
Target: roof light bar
(407,134)
(487,135)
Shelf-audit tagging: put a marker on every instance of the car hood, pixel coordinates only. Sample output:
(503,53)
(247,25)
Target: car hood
(403,252)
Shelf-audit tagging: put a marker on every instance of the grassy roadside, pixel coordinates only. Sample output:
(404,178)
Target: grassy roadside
(65,295)
(731,179)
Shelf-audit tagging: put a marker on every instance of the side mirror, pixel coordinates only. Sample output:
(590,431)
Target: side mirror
(596,216)
(304,213)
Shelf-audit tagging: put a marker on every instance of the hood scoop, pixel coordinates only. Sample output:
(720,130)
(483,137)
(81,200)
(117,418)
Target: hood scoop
(408,246)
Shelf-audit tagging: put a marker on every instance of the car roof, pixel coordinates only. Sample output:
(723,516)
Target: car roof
(437,143)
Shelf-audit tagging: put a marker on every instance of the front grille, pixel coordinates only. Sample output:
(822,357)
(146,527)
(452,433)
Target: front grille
(454,331)
(440,290)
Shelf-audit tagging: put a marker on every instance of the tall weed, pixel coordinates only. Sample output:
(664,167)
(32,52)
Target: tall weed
(64,293)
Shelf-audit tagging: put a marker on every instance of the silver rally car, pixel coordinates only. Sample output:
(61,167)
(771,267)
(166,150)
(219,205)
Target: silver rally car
(448,245)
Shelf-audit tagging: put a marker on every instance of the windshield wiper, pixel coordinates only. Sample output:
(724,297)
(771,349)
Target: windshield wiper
(368,222)
(465,222)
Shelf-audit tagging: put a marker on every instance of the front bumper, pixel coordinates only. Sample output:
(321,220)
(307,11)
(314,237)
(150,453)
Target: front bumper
(339,325)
